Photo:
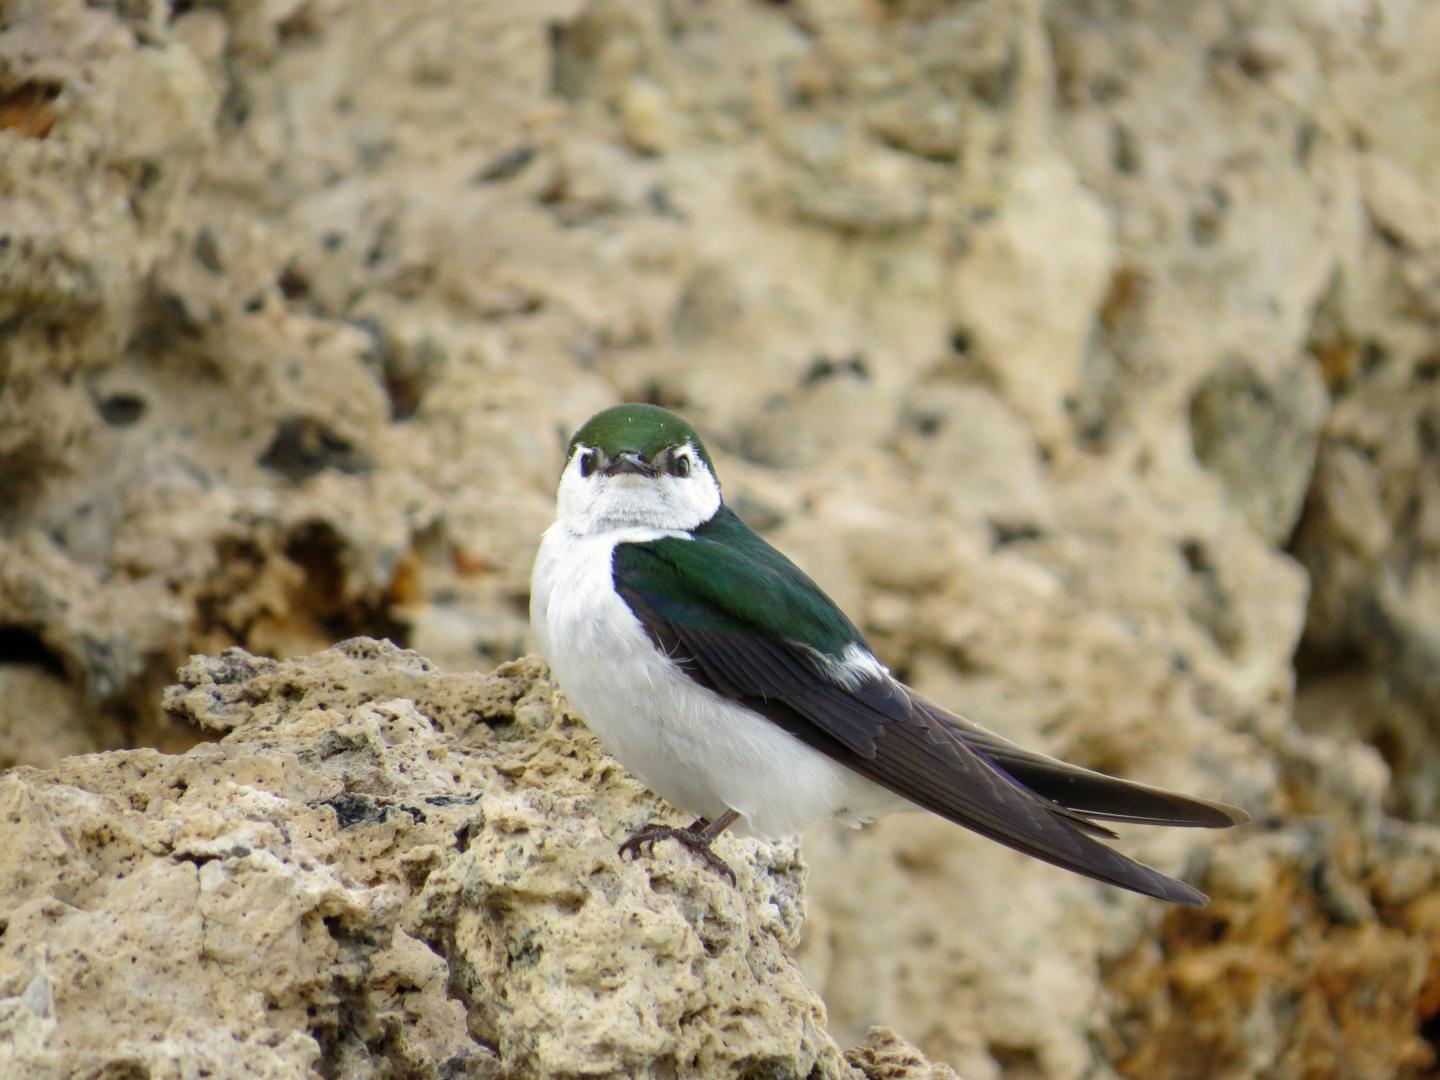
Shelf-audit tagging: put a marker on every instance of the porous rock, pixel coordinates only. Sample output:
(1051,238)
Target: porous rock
(383,870)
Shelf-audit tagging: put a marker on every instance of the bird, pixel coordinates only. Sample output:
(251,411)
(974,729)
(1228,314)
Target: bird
(715,669)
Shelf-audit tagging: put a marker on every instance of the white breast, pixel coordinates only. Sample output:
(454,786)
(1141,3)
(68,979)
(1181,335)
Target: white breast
(698,750)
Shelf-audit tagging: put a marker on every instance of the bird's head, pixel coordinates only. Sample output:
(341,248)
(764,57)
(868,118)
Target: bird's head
(636,465)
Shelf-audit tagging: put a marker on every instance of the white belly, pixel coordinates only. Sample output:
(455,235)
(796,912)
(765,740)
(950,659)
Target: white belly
(698,750)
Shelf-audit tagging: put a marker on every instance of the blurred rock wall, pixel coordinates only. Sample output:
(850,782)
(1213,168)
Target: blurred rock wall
(1085,351)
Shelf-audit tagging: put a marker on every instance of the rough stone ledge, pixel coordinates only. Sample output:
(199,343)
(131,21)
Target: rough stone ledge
(383,870)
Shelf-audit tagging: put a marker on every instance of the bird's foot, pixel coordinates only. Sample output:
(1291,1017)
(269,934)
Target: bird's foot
(697,837)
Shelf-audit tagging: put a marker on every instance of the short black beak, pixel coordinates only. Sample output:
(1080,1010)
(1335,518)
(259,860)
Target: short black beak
(630,462)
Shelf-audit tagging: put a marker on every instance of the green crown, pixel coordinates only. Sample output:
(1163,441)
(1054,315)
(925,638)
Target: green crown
(642,429)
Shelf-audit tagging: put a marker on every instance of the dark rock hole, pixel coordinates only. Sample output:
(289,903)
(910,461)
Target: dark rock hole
(352,810)
(121,410)
(1005,533)
(303,446)
(511,163)
(1196,557)
(823,368)
(21,645)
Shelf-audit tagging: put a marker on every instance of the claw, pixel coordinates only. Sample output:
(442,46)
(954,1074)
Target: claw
(697,837)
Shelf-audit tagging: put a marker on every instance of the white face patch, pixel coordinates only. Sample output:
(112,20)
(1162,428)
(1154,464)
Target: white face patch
(597,503)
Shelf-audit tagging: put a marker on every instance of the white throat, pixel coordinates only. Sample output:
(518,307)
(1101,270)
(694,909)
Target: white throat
(589,505)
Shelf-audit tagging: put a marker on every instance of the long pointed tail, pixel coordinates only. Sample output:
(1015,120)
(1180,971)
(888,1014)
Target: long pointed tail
(1085,791)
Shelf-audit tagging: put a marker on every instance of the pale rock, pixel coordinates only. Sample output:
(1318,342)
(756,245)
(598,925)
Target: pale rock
(356,882)
(1028,303)
(1260,437)
(645,115)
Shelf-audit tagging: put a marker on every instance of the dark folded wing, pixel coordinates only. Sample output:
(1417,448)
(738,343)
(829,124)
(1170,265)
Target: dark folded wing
(731,616)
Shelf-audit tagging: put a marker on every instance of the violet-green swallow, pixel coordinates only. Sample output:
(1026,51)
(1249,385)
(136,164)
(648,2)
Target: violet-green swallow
(716,670)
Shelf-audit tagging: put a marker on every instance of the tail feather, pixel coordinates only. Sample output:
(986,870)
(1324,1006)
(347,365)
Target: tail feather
(1084,791)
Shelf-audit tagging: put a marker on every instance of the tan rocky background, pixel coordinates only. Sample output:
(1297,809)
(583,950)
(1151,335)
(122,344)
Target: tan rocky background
(1087,351)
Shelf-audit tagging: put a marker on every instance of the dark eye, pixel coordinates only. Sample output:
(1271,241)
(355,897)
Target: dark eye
(681,465)
(588,460)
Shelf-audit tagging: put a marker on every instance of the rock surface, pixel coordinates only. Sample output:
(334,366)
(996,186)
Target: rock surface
(1085,352)
(381,870)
